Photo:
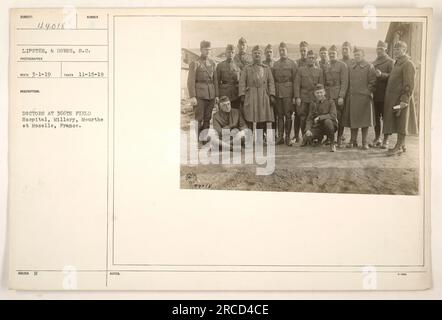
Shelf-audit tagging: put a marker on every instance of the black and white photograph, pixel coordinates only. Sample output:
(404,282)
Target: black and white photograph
(302,106)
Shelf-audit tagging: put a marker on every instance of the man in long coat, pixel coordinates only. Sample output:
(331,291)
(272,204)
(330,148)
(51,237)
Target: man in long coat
(284,73)
(383,66)
(399,97)
(201,83)
(359,109)
(257,91)
(336,81)
(345,51)
(227,74)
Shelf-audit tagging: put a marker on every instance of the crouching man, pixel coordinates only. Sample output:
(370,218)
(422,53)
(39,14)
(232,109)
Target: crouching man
(321,119)
(229,127)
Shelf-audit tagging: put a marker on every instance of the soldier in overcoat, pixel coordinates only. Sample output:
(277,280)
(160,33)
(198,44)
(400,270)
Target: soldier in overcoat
(359,109)
(399,97)
(257,91)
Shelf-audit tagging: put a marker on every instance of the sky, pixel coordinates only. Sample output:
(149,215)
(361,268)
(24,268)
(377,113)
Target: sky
(324,33)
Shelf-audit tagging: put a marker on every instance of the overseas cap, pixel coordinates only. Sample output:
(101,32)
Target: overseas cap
(230,47)
(333,48)
(319,87)
(357,49)
(400,44)
(303,44)
(242,41)
(382,44)
(224,99)
(346,44)
(256,48)
(205,44)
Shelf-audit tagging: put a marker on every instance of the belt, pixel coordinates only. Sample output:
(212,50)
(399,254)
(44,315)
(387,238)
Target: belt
(229,82)
(284,82)
(207,81)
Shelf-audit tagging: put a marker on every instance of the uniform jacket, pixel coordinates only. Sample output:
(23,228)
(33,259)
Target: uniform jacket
(284,74)
(325,109)
(257,85)
(305,81)
(348,61)
(385,65)
(302,62)
(201,81)
(269,63)
(323,65)
(399,89)
(336,79)
(228,73)
(359,108)
(242,60)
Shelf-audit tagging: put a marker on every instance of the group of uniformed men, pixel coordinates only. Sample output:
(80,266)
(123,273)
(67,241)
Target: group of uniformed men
(325,95)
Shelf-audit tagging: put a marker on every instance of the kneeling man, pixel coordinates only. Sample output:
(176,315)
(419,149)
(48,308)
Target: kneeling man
(228,122)
(321,119)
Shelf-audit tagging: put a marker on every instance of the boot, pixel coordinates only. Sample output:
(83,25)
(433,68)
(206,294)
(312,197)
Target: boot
(288,142)
(353,138)
(288,129)
(385,142)
(365,145)
(297,128)
(398,148)
(280,123)
(331,138)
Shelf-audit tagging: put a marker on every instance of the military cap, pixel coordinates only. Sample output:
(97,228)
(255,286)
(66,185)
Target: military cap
(358,49)
(269,46)
(205,44)
(224,99)
(333,48)
(323,49)
(310,52)
(319,87)
(382,44)
(400,44)
(256,48)
(303,44)
(283,45)
(242,41)
(346,44)
(230,47)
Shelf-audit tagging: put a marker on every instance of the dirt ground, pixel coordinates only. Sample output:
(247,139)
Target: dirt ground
(315,169)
